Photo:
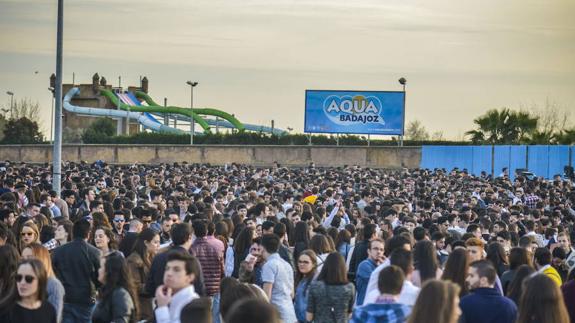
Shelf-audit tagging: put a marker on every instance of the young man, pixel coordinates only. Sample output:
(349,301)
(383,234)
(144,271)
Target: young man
(375,258)
(76,265)
(277,277)
(210,258)
(485,303)
(565,244)
(542,262)
(386,308)
(178,289)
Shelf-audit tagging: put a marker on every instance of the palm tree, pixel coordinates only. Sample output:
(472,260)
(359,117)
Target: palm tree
(503,127)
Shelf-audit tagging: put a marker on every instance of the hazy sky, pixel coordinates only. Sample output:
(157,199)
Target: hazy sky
(256,58)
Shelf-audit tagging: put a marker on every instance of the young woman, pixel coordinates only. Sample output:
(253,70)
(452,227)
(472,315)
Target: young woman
(496,254)
(9,257)
(306,265)
(322,247)
(55,289)
(28,303)
(542,302)
(116,301)
(343,243)
(139,262)
(63,232)
(28,233)
(438,301)
(517,257)
(301,238)
(456,268)
(331,297)
(515,289)
(426,265)
(104,240)
(242,246)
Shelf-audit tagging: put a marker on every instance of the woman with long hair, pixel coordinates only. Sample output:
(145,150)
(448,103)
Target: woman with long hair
(322,245)
(542,302)
(517,257)
(28,234)
(139,263)
(301,238)
(456,268)
(496,254)
(105,240)
(515,289)
(438,301)
(28,301)
(55,289)
(306,265)
(63,232)
(425,261)
(331,297)
(343,243)
(242,246)
(9,257)
(117,297)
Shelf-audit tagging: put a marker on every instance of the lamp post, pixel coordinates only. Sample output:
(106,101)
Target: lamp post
(57,149)
(51,89)
(402,81)
(192,122)
(11,94)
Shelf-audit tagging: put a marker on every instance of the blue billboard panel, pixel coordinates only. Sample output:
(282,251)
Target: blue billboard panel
(358,112)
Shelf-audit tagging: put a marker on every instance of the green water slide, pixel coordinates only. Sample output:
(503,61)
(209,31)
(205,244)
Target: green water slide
(202,111)
(158,109)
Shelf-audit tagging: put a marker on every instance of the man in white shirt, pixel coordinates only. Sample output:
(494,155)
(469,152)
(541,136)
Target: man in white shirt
(178,289)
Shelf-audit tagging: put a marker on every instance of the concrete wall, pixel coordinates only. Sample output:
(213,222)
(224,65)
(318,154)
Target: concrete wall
(378,157)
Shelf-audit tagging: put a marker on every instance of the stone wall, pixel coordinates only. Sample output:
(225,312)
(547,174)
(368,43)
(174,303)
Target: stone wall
(378,157)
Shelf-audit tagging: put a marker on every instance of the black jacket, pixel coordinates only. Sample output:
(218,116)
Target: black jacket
(359,255)
(117,309)
(76,265)
(156,274)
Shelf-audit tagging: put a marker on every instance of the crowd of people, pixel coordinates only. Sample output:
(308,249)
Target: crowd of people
(237,243)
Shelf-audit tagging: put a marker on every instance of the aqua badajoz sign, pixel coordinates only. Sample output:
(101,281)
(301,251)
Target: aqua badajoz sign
(358,112)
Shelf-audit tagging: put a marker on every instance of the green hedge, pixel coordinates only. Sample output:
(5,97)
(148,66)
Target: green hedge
(252,138)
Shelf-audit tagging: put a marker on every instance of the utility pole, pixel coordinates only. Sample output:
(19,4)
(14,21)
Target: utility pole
(57,149)
(192,122)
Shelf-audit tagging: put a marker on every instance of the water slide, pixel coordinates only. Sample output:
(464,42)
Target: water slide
(140,117)
(226,124)
(229,120)
(202,111)
(152,109)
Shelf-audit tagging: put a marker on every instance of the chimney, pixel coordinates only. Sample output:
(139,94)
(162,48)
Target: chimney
(144,85)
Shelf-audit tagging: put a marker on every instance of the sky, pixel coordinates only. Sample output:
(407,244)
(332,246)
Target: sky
(256,58)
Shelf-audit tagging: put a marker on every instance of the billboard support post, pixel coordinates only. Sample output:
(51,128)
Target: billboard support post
(402,81)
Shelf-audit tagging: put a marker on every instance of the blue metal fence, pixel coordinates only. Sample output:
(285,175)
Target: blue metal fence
(545,161)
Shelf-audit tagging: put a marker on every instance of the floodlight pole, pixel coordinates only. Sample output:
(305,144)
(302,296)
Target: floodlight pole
(57,149)
(192,121)
(402,81)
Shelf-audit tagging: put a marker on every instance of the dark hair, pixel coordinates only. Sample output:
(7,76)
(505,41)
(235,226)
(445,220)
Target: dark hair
(68,227)
(403,259)
(112,243)
(232,292)
(41,275)
(517,257)
(496,254)
(515,289)
(280,229)
(9,257)
(396,242)
(368,231)
(253,310)
(456,268)
(299,276)
(181,233)
(542,302)
(390,280)
(485,269)
(118,276)
(198,310)
(271,243)
(425,259)
(147,235)
(542,256)
(333,271)
(82,229)
(191,264)
(200,228)
(266,225)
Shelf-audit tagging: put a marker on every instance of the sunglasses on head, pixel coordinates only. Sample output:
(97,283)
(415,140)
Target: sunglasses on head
(28,278)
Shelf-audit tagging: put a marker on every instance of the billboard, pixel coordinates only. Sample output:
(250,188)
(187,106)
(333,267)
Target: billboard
(354,112)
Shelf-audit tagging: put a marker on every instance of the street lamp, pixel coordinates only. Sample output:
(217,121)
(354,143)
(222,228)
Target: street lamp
(11,94)
(402,81)
(192,122)
(51,89)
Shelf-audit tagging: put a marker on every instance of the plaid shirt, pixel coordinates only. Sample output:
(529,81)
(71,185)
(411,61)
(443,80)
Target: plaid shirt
(531,200)
(51,244)
(378,312)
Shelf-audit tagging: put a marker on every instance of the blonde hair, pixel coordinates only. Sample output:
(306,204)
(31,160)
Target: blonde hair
(41,253)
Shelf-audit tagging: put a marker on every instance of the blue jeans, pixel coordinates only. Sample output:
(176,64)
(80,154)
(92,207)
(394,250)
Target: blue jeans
(77,313)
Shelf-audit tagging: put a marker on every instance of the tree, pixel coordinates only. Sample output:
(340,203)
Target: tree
(566,137)
(416,131)
(22,131)
(102,127)
(503,127)
(25,108)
